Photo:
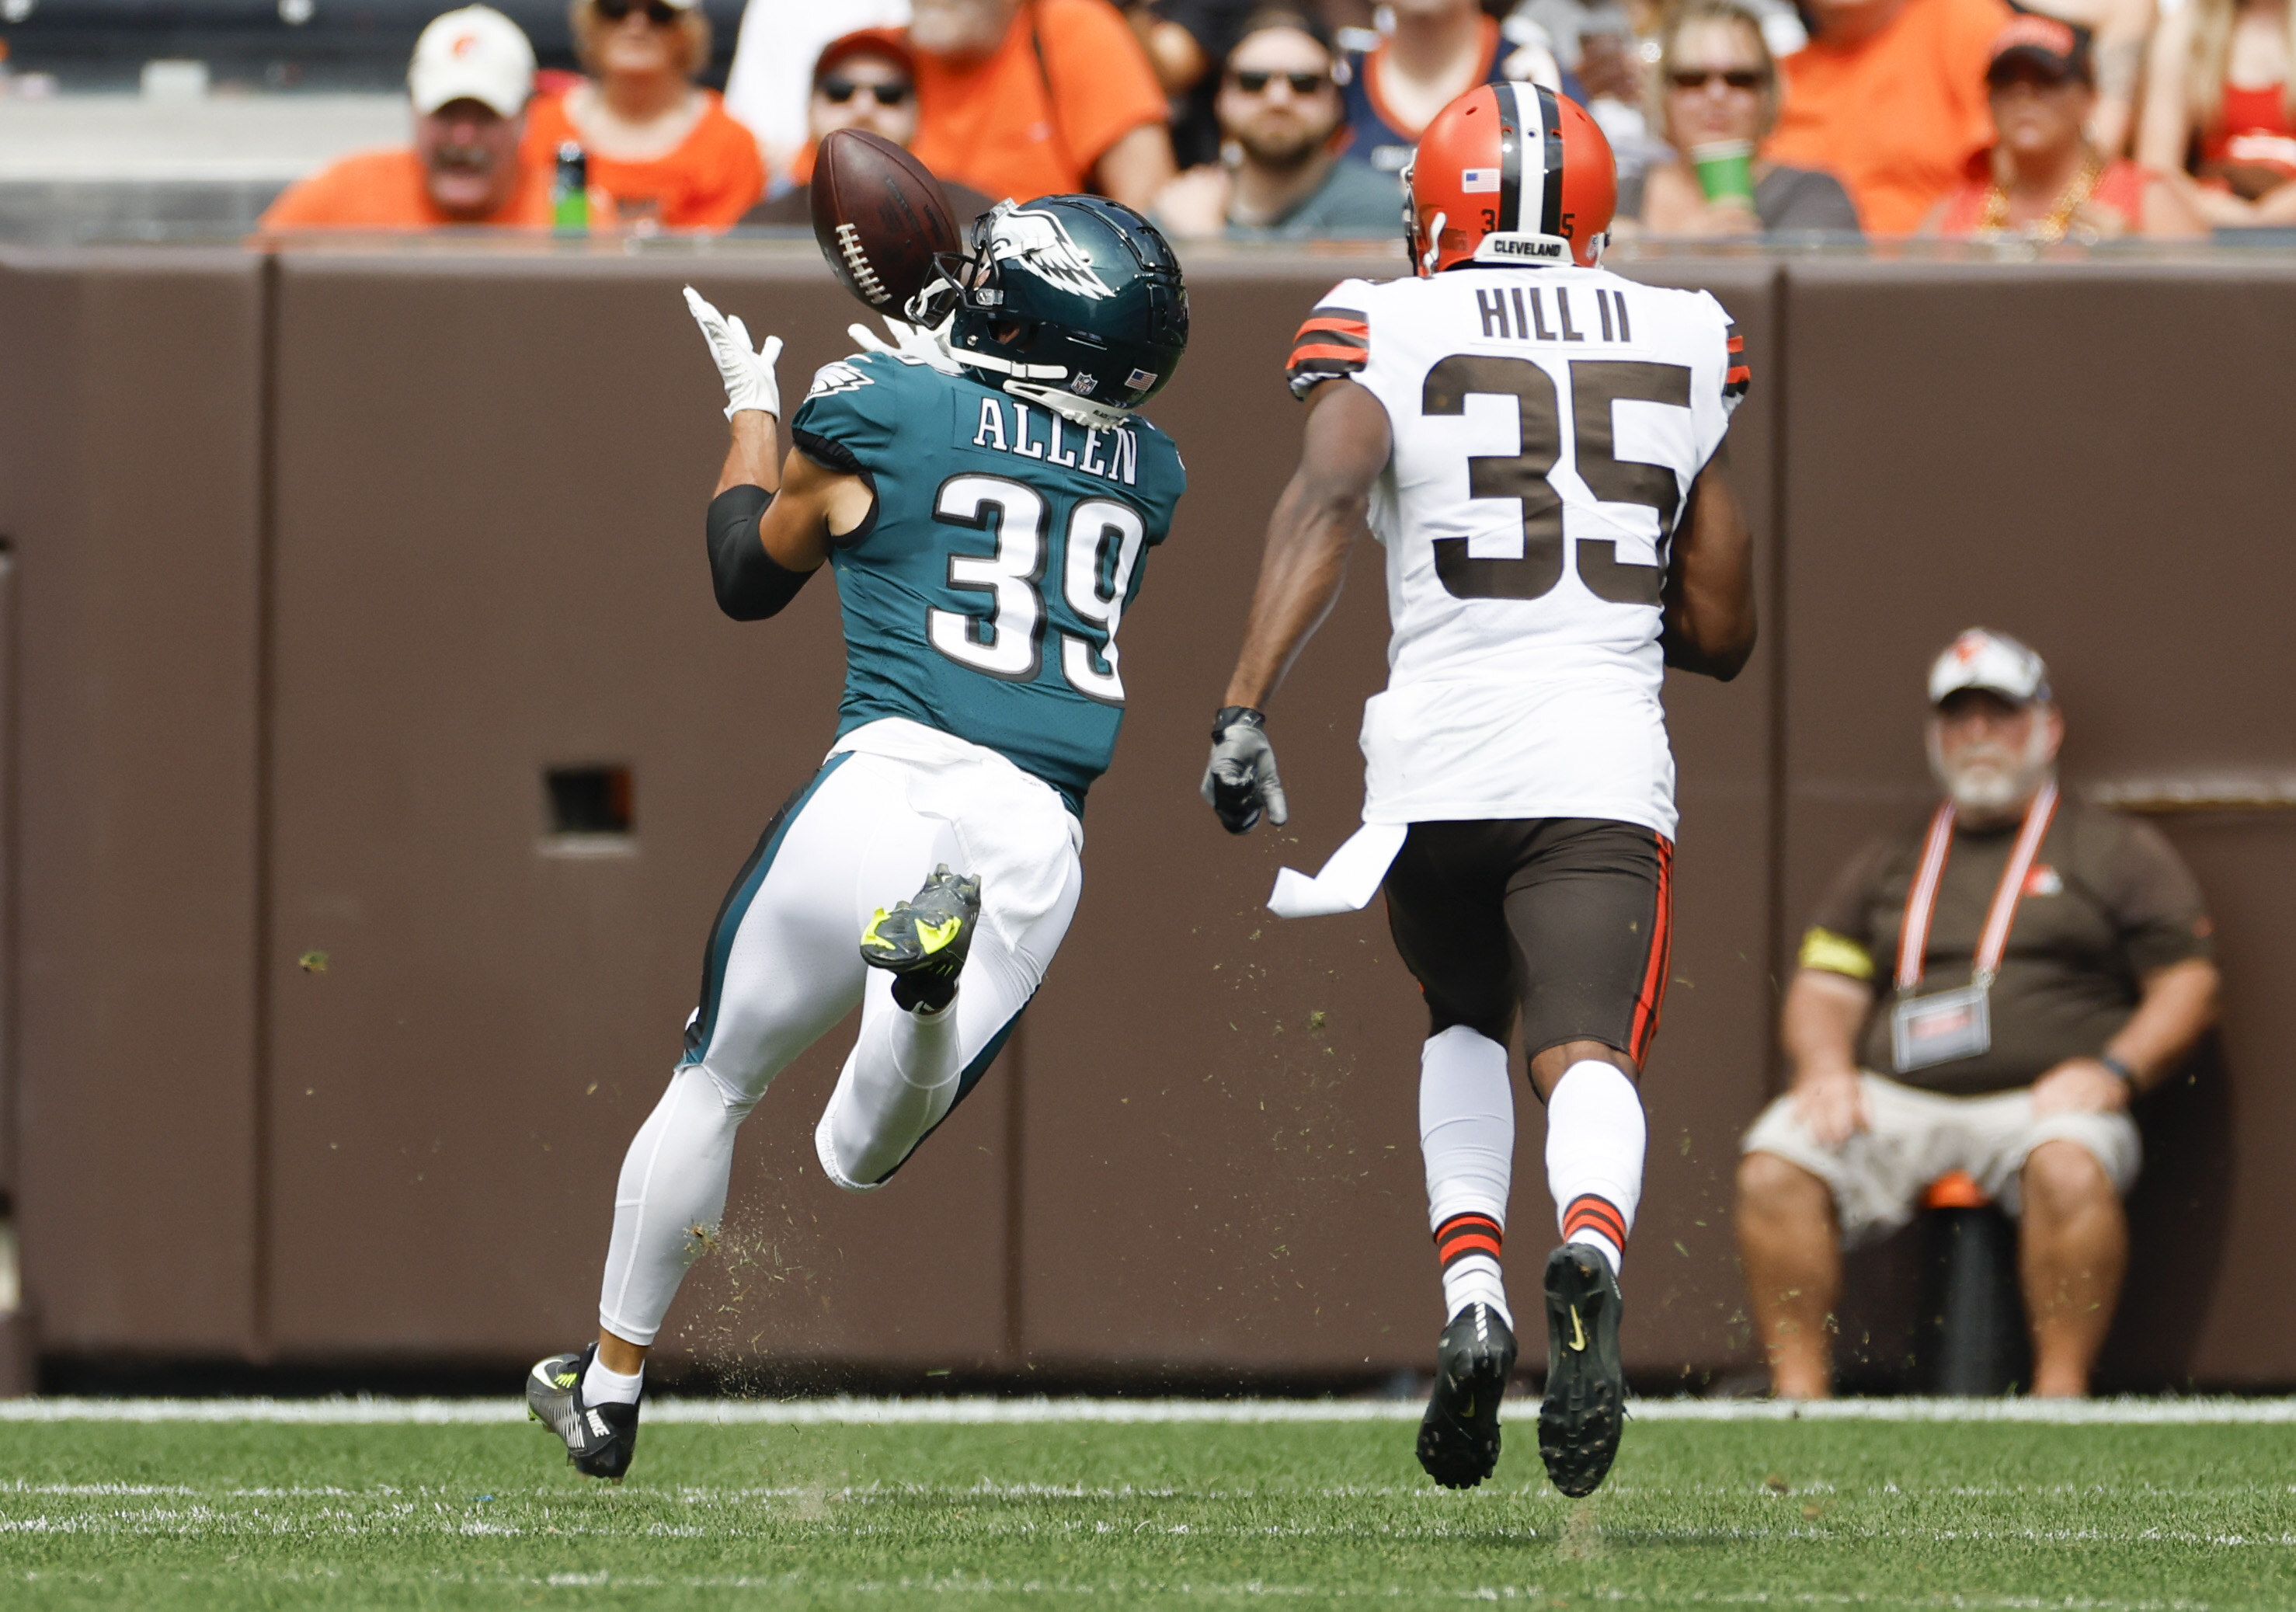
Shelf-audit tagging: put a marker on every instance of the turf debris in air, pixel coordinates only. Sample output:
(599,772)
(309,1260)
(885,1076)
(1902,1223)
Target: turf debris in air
(1780,1514)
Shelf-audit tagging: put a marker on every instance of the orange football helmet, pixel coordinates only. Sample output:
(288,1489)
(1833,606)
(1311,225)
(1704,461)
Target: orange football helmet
(1510,173)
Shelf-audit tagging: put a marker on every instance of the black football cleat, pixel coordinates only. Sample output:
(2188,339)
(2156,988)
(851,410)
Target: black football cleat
(924,942)
(1585,1409)
(1459,1435)
(600,1439)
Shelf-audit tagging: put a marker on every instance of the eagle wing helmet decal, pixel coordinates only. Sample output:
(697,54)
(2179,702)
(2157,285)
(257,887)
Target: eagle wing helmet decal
(1044,243)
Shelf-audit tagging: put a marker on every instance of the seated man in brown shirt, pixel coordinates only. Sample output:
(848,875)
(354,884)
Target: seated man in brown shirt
(2022,966)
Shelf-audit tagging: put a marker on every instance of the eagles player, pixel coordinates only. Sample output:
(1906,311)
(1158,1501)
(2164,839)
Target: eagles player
(987,496)
(1534,443)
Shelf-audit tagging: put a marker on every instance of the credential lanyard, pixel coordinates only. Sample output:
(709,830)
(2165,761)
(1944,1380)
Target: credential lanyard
(1920,901)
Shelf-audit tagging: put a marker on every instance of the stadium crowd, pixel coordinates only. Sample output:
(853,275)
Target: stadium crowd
(2083,118)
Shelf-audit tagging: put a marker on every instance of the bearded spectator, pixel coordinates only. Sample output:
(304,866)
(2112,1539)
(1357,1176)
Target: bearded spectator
(662,146)
(1282,130)
(469,83)
(2024,967)
(1026,98)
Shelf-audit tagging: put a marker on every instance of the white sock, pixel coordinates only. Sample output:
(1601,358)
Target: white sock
(672,1186)
(1467,1136)
(600,1387)
(899,1081)
(1595,1140)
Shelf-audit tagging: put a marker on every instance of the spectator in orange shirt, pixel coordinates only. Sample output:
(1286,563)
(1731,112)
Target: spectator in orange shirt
(2045,179)
(468,82)
(866,80)
(1889,95)
(666,151)
(1026,98)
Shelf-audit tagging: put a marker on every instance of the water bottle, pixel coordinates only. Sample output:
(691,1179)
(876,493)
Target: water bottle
(569,195)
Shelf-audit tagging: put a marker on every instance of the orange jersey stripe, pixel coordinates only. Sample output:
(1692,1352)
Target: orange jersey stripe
(1317,353)
(1346,327)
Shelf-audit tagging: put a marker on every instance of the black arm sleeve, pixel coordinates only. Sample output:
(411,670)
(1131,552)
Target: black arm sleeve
(751,583)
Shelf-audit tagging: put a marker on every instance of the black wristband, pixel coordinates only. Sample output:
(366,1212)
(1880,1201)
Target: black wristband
(2126,1074)
(1230,715)
(751,584)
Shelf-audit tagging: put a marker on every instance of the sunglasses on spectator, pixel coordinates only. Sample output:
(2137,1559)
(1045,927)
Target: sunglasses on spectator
(659,12)
(839,91)
(1736,78)
(1302,83)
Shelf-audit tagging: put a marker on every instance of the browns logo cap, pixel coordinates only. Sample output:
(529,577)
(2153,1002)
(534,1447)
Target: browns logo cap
(2060,48)
(1982,658)
(475,53)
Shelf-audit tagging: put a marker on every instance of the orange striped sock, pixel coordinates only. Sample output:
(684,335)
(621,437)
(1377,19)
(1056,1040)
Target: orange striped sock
(1598,1222)
(1468,1245)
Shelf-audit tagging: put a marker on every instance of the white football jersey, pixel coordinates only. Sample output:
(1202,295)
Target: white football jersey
(1548,424)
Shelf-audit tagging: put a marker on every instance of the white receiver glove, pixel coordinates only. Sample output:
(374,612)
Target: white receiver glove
(912,341)
(749,376)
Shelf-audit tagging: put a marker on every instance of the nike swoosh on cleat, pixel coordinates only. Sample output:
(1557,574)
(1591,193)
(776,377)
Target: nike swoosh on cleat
(1578,1333)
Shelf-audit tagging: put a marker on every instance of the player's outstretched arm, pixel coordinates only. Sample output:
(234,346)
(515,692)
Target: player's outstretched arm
(1315,523)
(1709,598)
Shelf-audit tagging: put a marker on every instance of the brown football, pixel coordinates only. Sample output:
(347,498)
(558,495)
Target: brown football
(880,216)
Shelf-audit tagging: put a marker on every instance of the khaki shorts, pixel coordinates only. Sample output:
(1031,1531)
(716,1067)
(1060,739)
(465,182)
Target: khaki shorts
(1913,1137)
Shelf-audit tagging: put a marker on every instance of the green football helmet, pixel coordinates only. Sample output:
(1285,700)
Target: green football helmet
(1067,298)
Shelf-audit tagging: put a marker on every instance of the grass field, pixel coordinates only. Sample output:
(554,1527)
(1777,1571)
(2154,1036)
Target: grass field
(478,1513)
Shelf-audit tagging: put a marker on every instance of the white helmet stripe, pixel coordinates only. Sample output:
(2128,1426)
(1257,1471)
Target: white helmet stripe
(1524,143)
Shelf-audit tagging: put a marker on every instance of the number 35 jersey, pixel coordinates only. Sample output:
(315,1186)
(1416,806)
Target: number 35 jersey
(1548,425)
(983,596)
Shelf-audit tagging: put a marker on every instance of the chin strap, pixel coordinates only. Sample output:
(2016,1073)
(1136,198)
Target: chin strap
(1083,411)
(1007,366)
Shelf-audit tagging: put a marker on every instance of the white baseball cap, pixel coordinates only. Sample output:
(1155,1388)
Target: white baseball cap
(1992,661)
(475,53)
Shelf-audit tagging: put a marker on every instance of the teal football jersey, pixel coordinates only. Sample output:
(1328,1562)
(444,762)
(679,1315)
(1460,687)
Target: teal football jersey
(983,596)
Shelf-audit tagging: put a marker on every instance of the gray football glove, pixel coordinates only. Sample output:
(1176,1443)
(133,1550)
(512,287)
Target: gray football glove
(1241,778)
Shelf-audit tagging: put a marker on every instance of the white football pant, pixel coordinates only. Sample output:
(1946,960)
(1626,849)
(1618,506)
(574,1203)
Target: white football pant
(784,966)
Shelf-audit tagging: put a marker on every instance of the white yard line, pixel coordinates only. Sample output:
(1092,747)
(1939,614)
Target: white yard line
(984,1411)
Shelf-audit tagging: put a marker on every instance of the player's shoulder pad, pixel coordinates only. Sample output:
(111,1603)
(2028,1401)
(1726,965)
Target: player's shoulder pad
(853,372)
(856,402)
(1162,475)
(1335,338)
(1736,374)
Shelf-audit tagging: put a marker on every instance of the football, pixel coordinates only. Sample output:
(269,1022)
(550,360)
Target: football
(880,215)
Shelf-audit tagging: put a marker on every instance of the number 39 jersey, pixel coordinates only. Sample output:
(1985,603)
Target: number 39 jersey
(983,596)
(1548,425)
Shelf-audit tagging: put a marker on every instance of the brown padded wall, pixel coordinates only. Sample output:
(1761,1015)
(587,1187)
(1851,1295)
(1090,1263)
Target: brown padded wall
(129,432)
(2096,459)
(492,482)
(489,473)
(1222,1167)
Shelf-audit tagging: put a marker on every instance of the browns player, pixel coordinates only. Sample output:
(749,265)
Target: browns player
(1534,443)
